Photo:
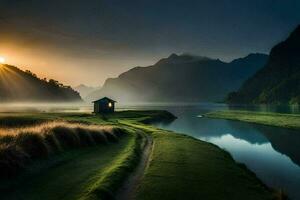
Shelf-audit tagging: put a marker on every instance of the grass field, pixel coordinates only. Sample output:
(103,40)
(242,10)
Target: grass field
(291,121)
(19,146)
(70,175)
(180,167)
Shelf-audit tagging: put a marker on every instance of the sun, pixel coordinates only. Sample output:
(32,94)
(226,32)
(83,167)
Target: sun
(2,60)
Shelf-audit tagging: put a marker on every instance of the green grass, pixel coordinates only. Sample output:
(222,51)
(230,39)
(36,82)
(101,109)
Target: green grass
(291,121)
(95,170)
(180,167)
(19,146)
(71,175)
(106,186)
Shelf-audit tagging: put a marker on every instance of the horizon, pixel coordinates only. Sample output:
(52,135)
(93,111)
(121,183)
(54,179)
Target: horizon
(99,86)
(100,40)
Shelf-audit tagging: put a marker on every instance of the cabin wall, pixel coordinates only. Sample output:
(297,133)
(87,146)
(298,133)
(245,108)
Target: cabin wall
(102,107)
(96,108)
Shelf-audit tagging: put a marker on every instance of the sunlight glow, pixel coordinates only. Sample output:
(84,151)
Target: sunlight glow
(2,60)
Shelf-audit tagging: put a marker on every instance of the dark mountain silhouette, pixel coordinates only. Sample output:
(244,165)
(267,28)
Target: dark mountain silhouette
(24,86)
(84,90)
(181,78)
(279,80)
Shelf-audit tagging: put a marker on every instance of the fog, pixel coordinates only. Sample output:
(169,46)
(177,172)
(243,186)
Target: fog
(45,107)
(83,107)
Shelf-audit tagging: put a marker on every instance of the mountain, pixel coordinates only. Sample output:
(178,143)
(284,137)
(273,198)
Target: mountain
(181,78)
(24,86)
(278,82)
(84,90)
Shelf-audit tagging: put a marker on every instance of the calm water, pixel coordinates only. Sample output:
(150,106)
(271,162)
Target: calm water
(272,153)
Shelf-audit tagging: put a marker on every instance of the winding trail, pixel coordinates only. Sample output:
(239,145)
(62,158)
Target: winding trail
(128,190)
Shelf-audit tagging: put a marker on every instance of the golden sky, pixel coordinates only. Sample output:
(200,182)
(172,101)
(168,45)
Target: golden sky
(61,65)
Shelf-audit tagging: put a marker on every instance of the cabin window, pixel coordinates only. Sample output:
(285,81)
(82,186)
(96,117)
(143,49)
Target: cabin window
(110,104)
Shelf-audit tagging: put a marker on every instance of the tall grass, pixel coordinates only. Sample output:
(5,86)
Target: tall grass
(20,121)
(18,146)
(116,174)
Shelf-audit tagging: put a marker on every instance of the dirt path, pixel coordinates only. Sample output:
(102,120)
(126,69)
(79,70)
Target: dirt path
(129,188)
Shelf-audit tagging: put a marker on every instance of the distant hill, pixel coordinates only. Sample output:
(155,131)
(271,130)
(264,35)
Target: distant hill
(278,82)
(24,86)
(181,78)
(84,90)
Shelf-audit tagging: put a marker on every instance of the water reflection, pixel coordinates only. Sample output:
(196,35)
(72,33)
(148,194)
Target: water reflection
(272,153)
(286,142)
(272,167)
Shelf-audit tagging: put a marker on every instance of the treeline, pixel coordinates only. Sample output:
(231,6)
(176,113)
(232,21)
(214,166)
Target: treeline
(19,86)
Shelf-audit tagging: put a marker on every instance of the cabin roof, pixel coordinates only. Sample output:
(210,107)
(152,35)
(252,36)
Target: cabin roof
(106,99)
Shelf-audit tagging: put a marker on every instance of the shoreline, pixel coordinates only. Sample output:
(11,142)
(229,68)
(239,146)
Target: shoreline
(289,121)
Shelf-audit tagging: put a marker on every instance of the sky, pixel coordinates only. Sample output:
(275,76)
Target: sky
(87,41)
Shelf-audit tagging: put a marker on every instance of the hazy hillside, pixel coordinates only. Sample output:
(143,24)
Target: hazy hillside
(279,80)
(84,90)
(183,78)
(20,86)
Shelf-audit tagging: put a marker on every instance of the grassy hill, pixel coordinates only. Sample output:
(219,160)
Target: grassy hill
(24,86)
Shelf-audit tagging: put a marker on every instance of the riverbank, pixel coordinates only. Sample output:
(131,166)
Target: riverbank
(182,167)
(178,167)
(291,121)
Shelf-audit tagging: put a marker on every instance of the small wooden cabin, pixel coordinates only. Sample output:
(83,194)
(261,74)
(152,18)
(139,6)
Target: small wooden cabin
(104,105)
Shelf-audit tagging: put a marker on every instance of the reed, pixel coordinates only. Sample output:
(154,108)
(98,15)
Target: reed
(19,146)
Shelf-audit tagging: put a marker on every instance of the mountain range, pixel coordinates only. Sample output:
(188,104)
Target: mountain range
(24,86)
(278,82)
(256,78)
(84,90)
(181,78)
